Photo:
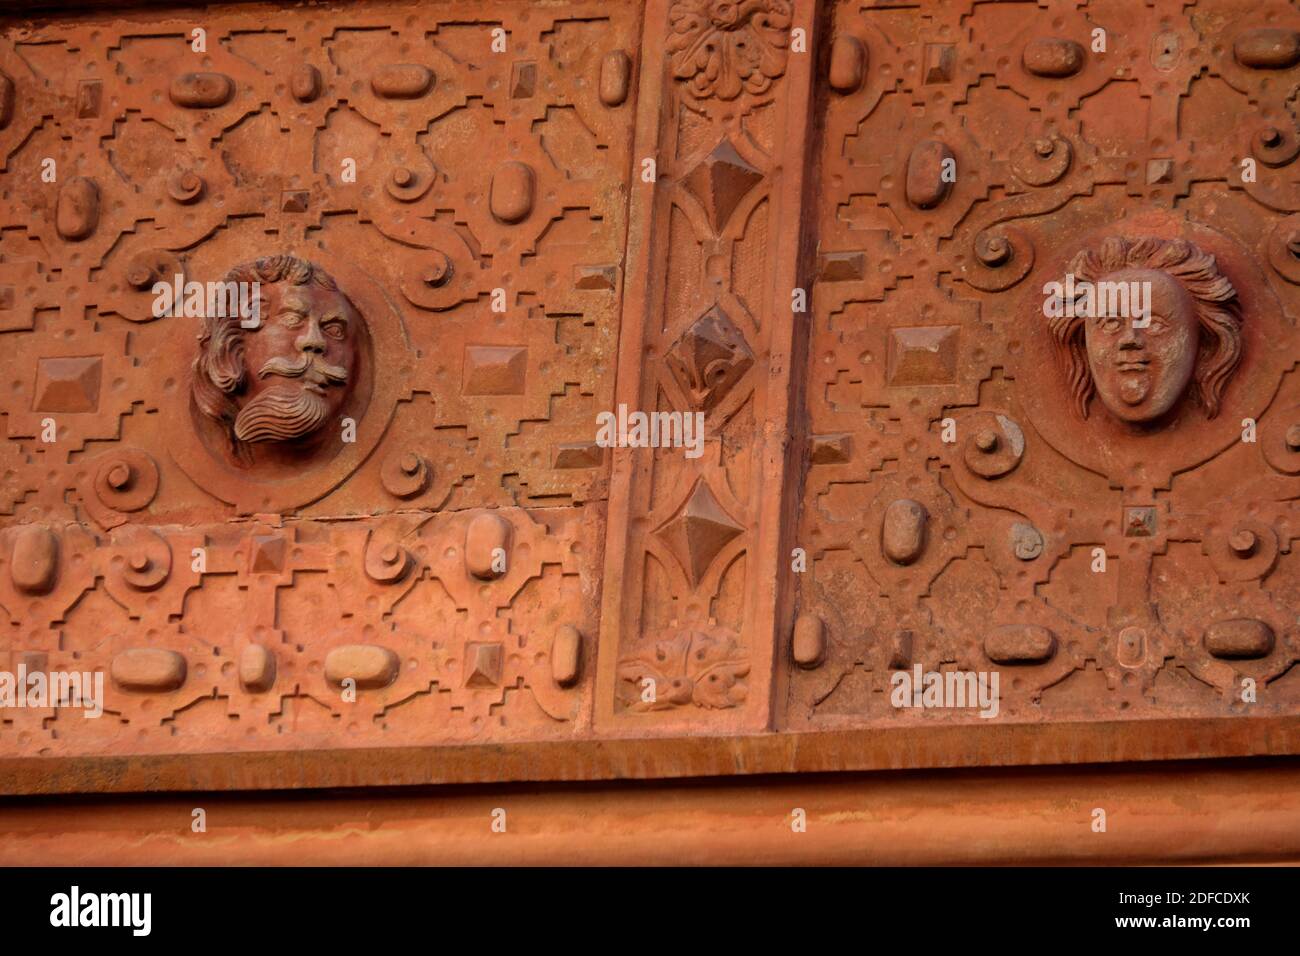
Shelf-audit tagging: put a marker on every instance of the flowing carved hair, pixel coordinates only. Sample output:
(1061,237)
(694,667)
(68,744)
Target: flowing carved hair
(219,368)
(1213,297)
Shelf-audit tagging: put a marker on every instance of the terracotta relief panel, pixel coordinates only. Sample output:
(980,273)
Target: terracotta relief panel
(365,508)
(1101,511)
(398,392)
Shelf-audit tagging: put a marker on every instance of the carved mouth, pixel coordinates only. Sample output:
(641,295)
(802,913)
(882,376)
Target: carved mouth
(1133,366)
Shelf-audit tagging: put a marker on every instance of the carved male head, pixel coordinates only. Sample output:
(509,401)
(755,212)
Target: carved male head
(287,376)
(1139,370)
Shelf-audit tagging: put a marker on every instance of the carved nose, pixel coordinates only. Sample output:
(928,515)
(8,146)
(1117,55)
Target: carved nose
(311,339)
(1131,339)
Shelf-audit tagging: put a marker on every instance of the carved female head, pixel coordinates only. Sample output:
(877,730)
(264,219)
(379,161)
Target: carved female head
(1140,370)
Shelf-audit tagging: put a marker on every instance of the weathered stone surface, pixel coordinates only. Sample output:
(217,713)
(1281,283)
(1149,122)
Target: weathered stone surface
(487,543)
(1020,644)
(305,82)
(78,210)
(34,563)
(402,81)
(1053,57)
(1267,48)
(370,665)
(566,655)
(902,535)
(148,670)
(931,172)
(848,64)
(256,668)
(513,185)
(809,643)
(615,77)
(6,100)
(201,90)
(1239,638)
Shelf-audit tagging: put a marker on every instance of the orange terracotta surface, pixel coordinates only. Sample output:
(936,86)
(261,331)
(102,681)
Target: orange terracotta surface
(1202,813)
(374,538)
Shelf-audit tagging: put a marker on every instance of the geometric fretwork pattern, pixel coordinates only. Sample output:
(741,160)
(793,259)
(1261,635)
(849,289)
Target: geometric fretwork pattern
(960,511)
(457,170)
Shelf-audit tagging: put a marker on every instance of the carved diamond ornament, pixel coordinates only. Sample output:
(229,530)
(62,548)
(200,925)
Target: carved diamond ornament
(720,181)
(709,358)
(699,530)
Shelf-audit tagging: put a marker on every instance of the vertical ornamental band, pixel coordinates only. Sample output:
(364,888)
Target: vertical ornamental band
(693,571)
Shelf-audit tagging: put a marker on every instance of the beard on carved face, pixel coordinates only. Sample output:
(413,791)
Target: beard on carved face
(286,412)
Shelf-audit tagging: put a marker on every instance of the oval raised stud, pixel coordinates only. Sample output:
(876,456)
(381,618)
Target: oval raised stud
(848,64)
(77,213)
(6,100)
(202,91)
(929,177)
(256,669)
(1052,57)
(902,535)
(511,197)
(34,563)
(615,77)
(370,665)
(808,645)
(1267,49)
(146,669)
(1020,644)
(1239,638)
(566,655)
(401,81)
(305,83)
(487,541)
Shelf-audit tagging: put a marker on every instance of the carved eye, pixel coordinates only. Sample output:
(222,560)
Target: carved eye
(1157,324)
(1110,325)
(335,330)
(290,320)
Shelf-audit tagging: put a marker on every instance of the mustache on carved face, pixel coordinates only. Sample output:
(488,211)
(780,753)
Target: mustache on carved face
(316,369)
(281,413)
